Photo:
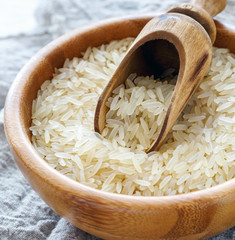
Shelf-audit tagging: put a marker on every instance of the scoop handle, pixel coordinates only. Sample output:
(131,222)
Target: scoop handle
(213,7)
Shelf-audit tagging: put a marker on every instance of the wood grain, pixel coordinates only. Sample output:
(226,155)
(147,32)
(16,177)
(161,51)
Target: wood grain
(196,215)
(198,14)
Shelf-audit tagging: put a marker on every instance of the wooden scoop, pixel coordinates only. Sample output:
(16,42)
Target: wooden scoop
(181,39)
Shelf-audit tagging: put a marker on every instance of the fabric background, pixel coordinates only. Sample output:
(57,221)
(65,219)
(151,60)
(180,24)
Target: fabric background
(23,215)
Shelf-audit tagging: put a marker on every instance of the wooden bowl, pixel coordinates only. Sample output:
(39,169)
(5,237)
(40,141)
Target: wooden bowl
(110,216)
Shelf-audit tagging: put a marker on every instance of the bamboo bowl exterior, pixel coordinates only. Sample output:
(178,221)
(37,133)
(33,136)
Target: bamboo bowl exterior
(196,215)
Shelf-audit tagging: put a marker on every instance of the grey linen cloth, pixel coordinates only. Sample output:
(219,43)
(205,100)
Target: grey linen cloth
(23,215)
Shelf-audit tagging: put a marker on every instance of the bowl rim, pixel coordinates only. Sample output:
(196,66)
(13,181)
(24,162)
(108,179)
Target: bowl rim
(21,146)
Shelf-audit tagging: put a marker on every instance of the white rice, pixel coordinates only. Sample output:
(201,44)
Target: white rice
(199,152)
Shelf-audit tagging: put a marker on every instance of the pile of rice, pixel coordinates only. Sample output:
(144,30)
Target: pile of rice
(199,152)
